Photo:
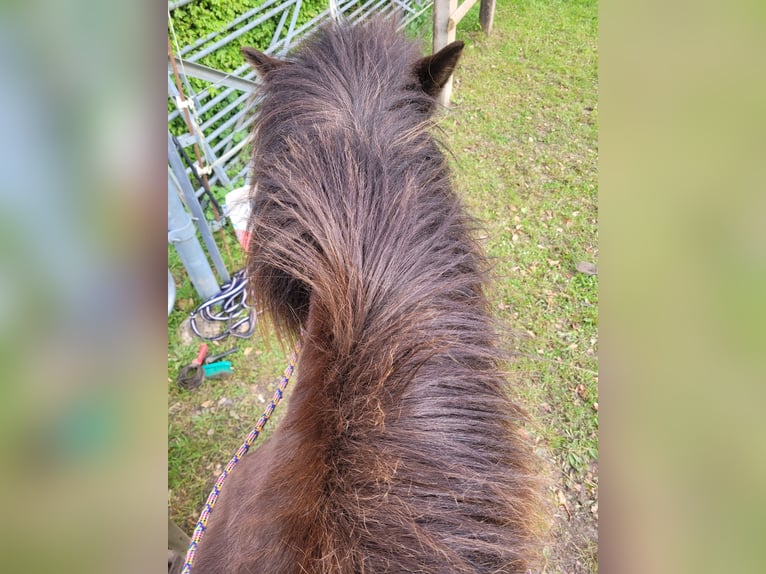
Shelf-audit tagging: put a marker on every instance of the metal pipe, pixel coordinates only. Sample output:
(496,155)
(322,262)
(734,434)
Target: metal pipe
(178,4)
(281,46)
(282,19)
(199,137)
(414,16)
(246,16)
(359,12)
(182,235)
(212,75)
(245,72)
(236,34)
(225,139)
(190,198)
(231,108)
(293,22)
(242,174)
(171,291)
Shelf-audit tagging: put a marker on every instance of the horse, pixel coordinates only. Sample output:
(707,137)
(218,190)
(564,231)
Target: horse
(400,451)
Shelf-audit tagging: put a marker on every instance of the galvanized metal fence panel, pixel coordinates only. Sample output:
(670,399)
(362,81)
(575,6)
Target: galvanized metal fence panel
(217,100)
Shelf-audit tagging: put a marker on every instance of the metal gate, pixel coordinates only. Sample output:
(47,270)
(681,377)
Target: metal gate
(208,119)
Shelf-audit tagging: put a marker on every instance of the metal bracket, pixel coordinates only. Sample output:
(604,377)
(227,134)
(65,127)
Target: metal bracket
(182,233)
(216,225)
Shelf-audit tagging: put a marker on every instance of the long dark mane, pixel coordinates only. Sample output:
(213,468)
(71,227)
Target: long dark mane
(400,451)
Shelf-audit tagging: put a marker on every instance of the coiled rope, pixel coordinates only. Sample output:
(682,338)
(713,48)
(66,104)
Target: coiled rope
(230,307)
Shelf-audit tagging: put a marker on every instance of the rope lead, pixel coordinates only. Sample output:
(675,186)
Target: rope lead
(242,451)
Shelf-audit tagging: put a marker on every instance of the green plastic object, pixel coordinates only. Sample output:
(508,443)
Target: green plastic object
(219,369)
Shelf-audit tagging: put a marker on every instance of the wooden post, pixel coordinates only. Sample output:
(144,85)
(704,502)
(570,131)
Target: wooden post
(443,35)
(178,544)
(178,540)
(487,15)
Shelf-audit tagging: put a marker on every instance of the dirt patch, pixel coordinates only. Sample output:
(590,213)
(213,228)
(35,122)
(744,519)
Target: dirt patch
(575,529)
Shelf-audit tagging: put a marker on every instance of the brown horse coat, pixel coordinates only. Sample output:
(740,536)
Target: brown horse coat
(400,451)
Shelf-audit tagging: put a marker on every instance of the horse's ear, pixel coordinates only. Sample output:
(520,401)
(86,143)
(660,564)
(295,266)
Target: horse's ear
(433,71)
(262,63)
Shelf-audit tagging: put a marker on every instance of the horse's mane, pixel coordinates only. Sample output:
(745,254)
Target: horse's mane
(401,451)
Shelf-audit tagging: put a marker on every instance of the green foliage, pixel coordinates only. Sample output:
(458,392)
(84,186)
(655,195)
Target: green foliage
(198,19)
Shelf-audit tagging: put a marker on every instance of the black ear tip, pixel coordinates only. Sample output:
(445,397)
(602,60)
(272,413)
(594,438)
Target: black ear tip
(454,47)
(262,63)
(451,50)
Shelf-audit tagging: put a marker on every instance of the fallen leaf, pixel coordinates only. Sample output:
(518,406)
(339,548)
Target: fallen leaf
(587,268)
(210,432)
(595,406)
(580,390)
(563,502)
(207,404)
(247,351)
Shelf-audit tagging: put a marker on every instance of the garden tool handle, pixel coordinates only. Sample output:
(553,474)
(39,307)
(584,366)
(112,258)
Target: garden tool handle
(201,355)
(214,358)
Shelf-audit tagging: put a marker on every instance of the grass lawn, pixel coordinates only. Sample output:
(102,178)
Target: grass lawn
(524,133)
(523,129)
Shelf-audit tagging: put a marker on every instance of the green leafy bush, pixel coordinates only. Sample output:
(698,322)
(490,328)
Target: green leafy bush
(200,18)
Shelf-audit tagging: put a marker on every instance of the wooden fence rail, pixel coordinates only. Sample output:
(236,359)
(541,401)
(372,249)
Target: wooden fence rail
(447,15)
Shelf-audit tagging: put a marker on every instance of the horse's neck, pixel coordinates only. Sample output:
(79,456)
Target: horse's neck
(317,390)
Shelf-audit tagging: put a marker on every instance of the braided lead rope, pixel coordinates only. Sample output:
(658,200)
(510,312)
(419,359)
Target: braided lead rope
(242,451)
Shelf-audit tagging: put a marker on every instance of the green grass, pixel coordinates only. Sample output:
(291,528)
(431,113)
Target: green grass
(523,129)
